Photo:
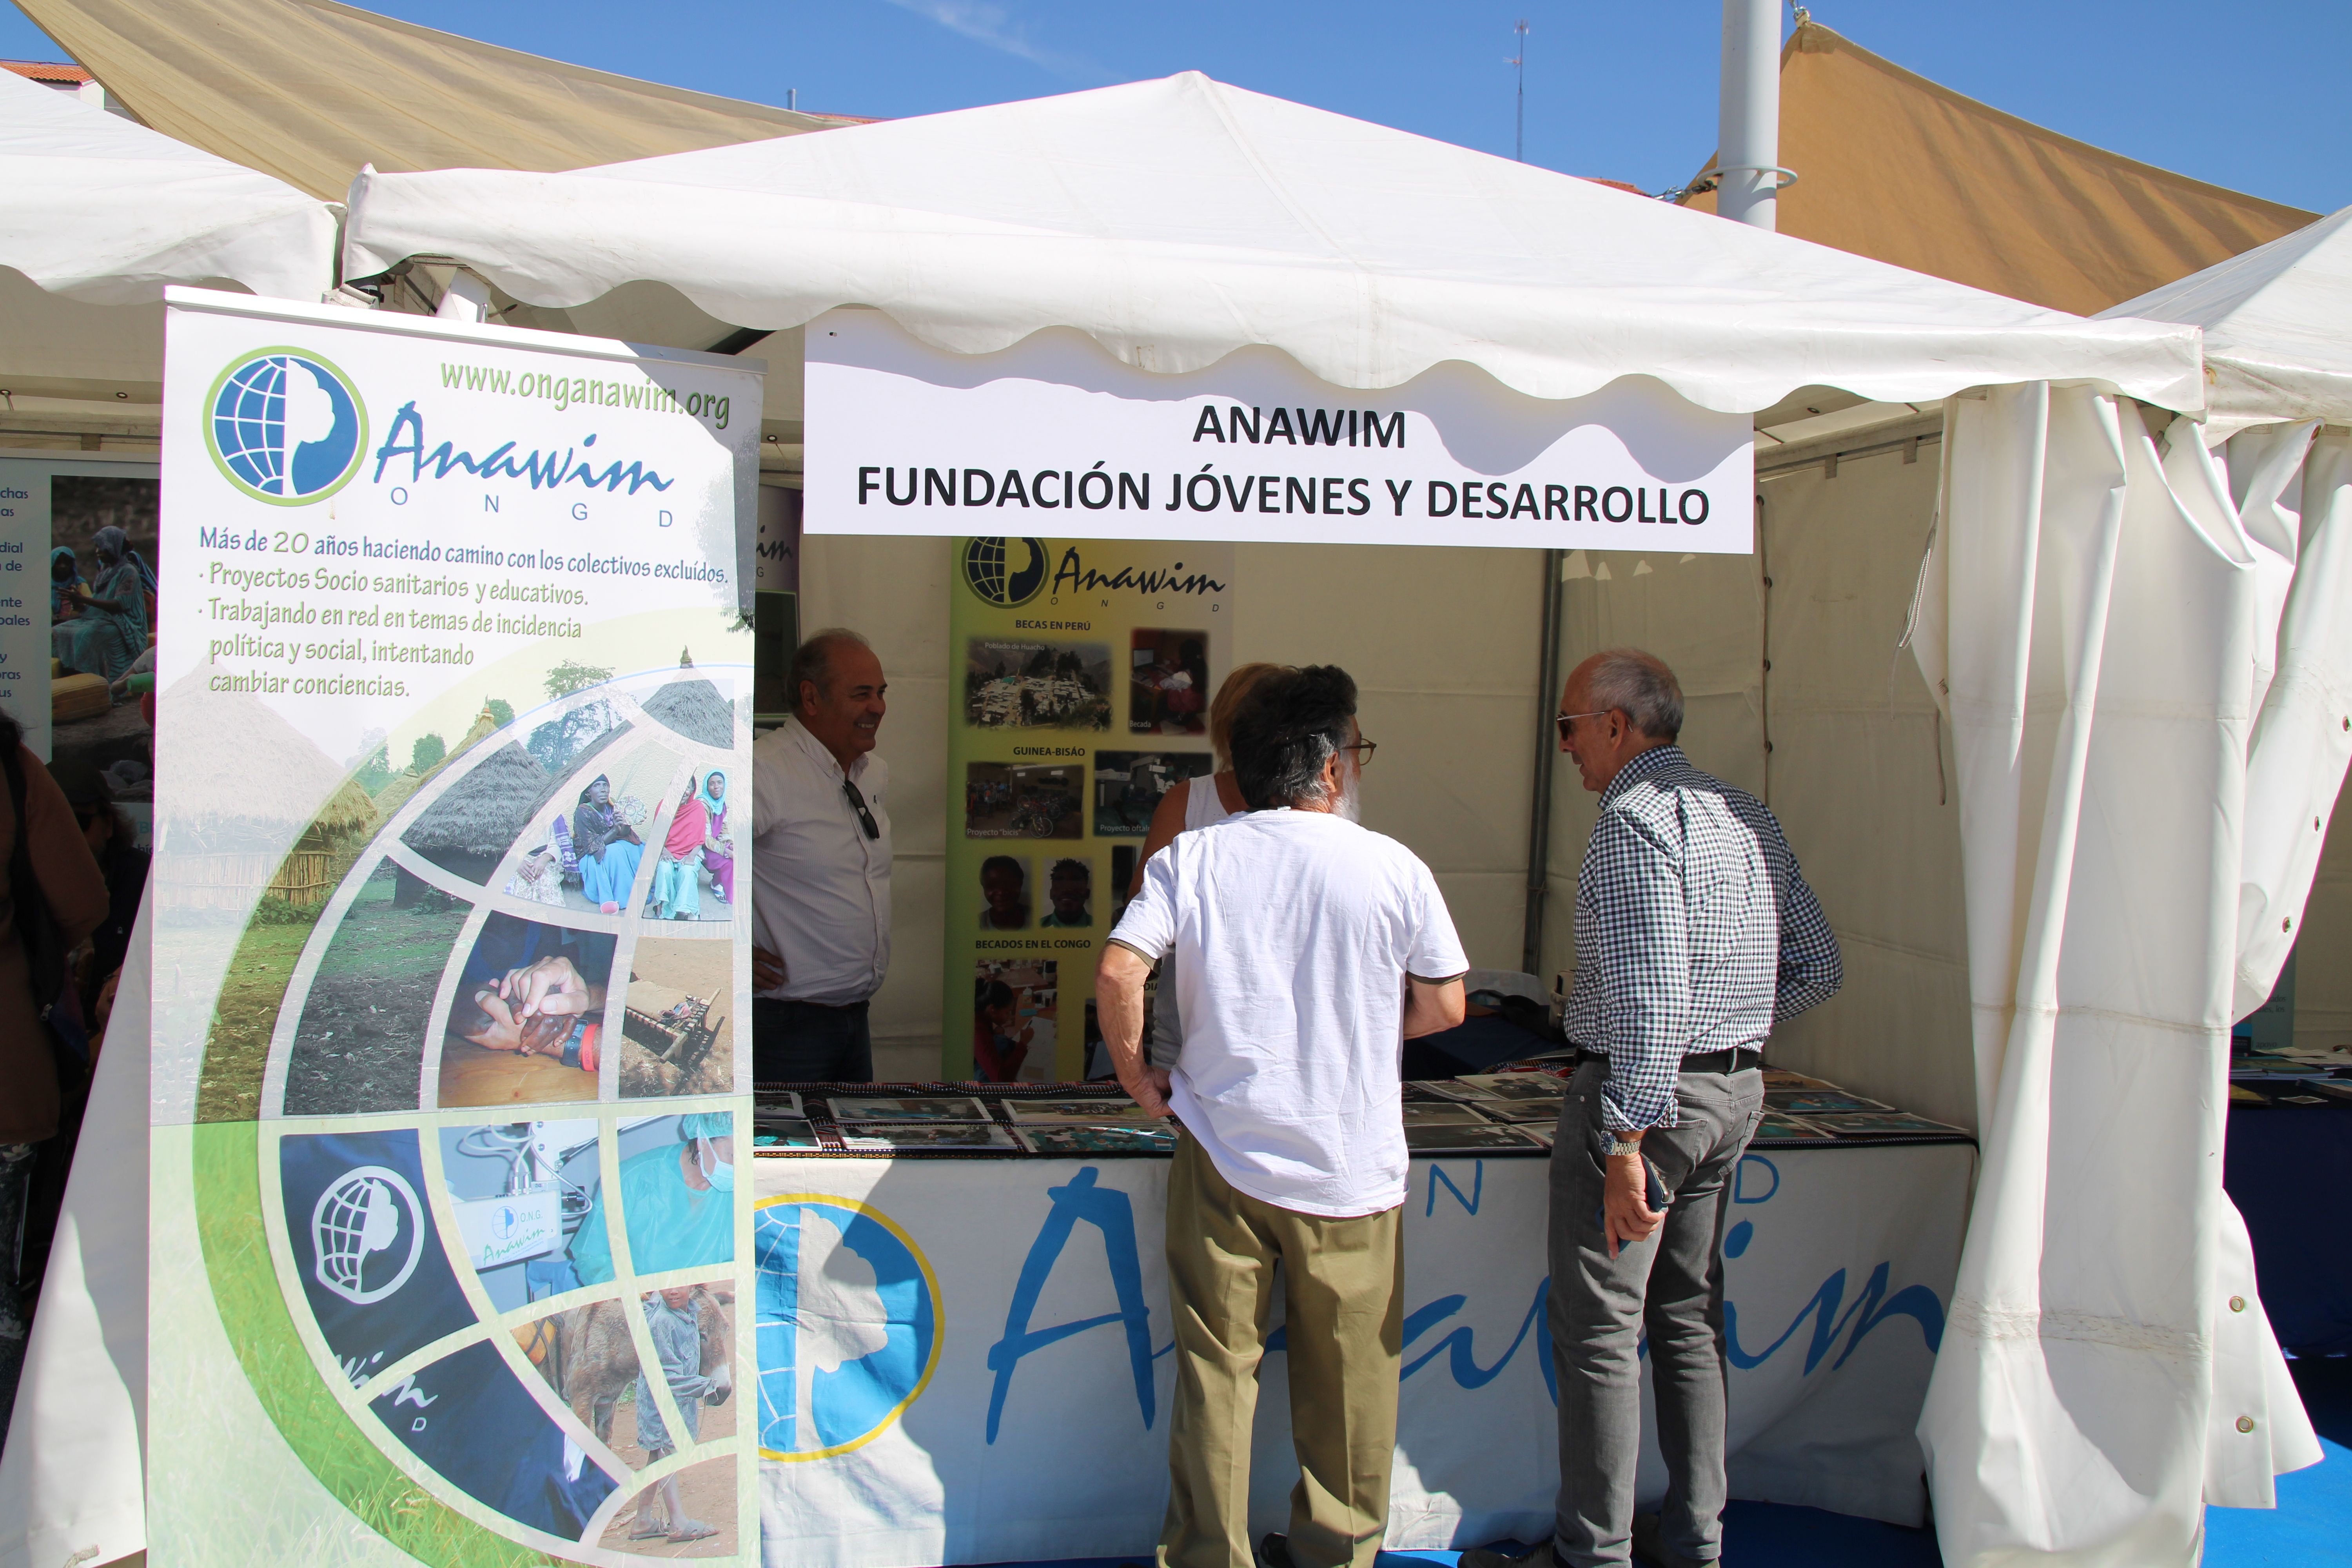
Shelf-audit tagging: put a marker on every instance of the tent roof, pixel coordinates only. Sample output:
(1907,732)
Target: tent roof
(309,90)
(1177,220)
(1894,166)
(2278,325)
(108,211)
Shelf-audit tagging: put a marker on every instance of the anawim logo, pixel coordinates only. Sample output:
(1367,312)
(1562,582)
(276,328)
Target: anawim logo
(285,425)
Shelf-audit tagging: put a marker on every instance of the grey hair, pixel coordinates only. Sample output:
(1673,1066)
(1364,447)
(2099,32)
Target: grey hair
(812,660)
(1639,685)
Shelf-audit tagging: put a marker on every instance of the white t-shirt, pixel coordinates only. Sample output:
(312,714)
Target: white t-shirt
(1294,931)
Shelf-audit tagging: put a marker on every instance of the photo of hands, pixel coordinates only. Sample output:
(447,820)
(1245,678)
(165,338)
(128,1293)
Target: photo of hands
(525,1022)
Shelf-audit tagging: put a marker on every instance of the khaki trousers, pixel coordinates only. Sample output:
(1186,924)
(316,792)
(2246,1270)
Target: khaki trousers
(1343,1306)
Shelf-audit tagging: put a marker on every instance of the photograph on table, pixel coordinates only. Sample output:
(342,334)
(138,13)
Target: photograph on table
(1880,1124)
(1520,1110)
(526,1020)
(782,1132)
(1128,785)
(361,1043)
(1442,1113)
(960,1136)
(1158,1137)
(777,1102)
(1503,1086)
(521,1191)
(1016,1004)
(1811,1102)
(1448,1138)
(694,859)
(1543,1132)
(1008,800)
(1781,1127)
(677,1199)
(677,1028)
(848,1108)
(1080,1112)
(1782,1077)
(1168,682)
(1004,901)
(1022,685)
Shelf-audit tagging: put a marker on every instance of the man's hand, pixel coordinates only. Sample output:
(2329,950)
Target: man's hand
(547,987)
(1626,1202)
(767,969)
(1148,1089)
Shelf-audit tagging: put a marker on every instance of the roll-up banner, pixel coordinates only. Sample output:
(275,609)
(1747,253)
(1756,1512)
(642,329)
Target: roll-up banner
(1054,434)
(1083,672)
(448,1256)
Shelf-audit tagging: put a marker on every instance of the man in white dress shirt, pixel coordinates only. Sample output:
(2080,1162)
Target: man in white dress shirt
(820,869)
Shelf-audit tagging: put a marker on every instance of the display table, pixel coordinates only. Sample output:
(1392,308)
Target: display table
(967,1360)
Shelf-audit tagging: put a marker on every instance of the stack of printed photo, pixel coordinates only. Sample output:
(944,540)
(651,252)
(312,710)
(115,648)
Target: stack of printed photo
(928,1137)
(1472,1138)
(1087,1126)
(1529,1097)
(848,1110)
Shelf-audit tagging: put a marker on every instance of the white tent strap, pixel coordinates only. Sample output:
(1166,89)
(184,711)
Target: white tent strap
(1977,1321)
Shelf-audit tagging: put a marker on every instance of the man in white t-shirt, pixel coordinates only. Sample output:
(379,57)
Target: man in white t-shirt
(1310,950)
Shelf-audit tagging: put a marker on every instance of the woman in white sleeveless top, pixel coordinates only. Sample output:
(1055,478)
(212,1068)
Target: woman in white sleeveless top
(1195,802)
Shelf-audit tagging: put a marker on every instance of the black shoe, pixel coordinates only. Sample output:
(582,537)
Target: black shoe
(1651,1551)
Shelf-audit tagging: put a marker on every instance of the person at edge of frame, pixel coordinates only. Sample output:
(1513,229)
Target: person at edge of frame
(1308,947)
(1696,933)
(821,868)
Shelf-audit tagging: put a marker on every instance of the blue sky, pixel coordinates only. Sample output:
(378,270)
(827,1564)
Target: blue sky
(2249,95)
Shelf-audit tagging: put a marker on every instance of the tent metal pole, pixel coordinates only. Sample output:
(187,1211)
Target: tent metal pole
(1555,562)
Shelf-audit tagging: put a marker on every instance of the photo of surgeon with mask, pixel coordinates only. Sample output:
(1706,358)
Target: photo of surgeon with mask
(678,1202)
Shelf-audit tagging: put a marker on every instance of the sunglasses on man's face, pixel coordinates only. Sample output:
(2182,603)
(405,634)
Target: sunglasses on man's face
(1566,722)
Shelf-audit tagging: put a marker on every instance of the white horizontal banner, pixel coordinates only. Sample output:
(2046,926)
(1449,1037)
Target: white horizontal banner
(968,1361)
(906,438)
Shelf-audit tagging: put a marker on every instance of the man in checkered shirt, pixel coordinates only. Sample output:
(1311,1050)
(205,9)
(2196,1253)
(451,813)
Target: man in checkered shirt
(1695,934)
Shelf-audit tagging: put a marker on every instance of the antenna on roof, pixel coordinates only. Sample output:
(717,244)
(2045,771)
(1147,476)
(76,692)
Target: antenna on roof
(1519,62)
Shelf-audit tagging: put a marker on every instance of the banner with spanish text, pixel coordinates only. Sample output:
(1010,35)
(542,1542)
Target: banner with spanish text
(449,1260)
(907,438)
(1083,672)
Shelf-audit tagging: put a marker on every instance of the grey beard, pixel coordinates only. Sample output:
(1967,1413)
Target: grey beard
(1350,806)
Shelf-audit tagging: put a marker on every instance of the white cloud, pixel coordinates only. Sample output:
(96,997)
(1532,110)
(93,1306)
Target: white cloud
(992,25)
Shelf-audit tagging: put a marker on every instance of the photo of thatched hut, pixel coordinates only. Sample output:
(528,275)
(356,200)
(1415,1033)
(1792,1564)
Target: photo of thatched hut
(250,808)
(692,706)
(479,817)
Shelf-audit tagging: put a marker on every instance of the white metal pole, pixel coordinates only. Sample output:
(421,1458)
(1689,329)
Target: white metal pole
(1749,136)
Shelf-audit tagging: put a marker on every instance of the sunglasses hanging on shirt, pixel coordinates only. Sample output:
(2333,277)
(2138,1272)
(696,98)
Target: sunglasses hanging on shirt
(857,804)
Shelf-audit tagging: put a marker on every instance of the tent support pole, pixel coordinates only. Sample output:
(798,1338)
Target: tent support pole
(1554,561)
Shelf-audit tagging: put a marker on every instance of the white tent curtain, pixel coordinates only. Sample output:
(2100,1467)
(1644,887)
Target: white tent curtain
(2102,633)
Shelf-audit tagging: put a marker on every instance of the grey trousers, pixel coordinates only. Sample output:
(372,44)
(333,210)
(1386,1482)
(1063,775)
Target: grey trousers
(1670,1286)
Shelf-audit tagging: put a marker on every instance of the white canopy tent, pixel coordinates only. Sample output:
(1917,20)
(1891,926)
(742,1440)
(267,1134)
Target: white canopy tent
(97,215)
(1177,221)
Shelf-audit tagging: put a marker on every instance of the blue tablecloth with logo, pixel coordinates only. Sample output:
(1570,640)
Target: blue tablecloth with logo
(2286,1168)
(968,1359)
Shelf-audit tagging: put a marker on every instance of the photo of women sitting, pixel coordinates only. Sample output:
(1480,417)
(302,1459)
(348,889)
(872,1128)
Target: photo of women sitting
(608,848)
(696,843)
(109,629)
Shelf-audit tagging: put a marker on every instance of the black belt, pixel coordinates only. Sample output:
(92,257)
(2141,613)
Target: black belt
(1738,1059)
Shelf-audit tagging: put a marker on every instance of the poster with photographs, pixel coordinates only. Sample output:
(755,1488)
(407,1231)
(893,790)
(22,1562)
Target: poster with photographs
(446,769)
(1089,669)
(78,562)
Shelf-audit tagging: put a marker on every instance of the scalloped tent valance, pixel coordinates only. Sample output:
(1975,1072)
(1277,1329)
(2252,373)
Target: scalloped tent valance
(1175,221)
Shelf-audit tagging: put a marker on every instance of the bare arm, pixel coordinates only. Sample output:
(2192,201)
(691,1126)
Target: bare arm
(1431,1009)
(1119,1008)
(1167,822)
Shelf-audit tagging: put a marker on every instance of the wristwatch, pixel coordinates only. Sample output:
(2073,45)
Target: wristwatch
(1619,1147)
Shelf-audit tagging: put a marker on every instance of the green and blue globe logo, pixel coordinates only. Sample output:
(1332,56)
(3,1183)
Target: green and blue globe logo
(1005,572)
(286,426)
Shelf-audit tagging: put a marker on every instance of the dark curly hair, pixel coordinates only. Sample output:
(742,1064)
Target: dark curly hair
(1292,723)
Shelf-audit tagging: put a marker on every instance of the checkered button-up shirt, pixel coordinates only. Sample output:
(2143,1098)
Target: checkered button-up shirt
(1695,932)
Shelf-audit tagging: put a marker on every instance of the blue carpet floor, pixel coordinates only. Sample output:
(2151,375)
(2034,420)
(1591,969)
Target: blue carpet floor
(2311,1528)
